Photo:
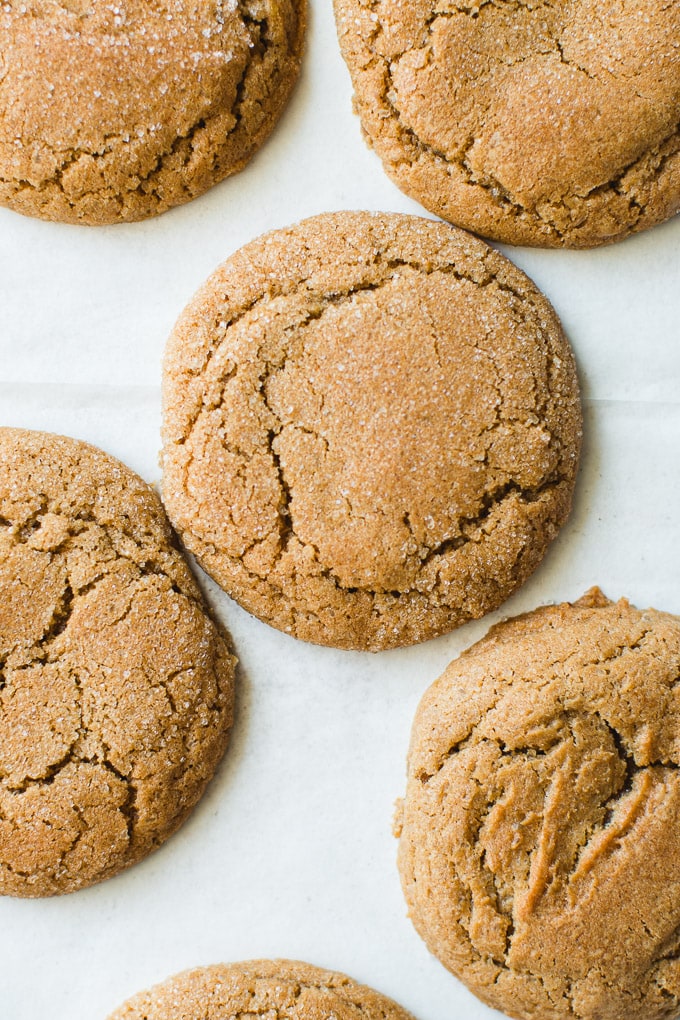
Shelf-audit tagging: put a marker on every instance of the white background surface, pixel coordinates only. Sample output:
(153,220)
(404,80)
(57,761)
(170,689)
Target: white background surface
(290,852)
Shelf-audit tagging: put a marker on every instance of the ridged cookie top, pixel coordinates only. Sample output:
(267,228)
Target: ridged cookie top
(541,825)
(546,123)
(371,429)
(118,111)
(271,989)
(116,687)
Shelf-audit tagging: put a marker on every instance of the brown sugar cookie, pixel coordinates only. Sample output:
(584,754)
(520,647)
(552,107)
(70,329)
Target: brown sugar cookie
(548,123)
(285,989)
(112,112)
(371,428)
(116,687)
(540,834)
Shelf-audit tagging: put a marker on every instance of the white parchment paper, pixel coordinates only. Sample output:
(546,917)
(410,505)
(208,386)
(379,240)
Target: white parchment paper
(290,852)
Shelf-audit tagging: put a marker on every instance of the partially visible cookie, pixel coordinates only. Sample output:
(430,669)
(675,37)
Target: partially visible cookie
(548,123)
(371,428)
(112,112)
(285,989)
(116,687)
(540,834)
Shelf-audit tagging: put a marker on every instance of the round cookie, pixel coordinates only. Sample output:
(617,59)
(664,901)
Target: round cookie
(540,832)
(116,687)
(113,112)
(549,123)
(285,989)
(371,428)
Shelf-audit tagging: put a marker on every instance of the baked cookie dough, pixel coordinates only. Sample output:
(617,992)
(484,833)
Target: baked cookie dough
(547,123)
(285,989)
(116,687)
(371,428)
(112,112)
(540,834)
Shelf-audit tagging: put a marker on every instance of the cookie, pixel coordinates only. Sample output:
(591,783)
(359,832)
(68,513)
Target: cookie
(116,687)
(540,832)
(550,124)
(113,112)
(286,989)
(371,428)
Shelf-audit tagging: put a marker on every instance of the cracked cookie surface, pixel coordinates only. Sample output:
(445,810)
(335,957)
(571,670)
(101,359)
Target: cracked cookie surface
(528,121)
(116,687)
(371,428)
(275,989)
(540,831)
(115,112)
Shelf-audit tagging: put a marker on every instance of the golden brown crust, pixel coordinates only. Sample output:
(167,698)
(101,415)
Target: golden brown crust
(116,687)
(549,123)
(371,428)
(113,112)
(540,831)
(272,989)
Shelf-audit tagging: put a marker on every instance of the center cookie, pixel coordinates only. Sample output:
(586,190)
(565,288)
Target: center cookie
(371,430)
(547,123)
